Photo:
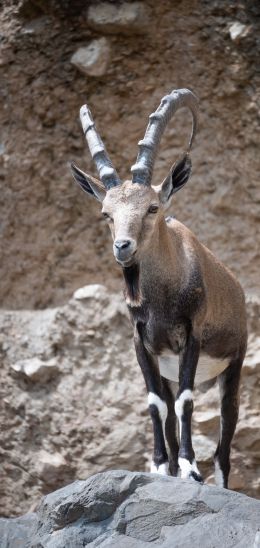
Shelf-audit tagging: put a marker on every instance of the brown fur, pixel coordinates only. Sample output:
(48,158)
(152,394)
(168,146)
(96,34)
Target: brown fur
(220,322)
(179,278)
(182,300)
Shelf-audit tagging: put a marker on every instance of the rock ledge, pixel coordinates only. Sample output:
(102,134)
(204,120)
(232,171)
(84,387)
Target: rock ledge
(132,510)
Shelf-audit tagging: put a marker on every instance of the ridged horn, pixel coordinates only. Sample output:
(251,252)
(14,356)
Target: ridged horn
(143,168)
(107,173)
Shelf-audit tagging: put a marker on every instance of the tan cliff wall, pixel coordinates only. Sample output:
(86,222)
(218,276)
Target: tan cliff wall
(53,239)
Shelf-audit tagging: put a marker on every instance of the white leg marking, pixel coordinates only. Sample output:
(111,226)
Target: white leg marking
(186,395)
(219,478)
(163,469)
(153,399)
(187,467)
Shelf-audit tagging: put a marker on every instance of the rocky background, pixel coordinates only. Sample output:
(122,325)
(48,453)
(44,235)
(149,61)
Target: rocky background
(72,397)
(74,401)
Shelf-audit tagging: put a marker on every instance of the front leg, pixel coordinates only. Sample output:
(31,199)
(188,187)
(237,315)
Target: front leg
(184,408)
(157,405)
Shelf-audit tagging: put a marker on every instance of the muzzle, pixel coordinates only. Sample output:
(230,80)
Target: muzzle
(124,251)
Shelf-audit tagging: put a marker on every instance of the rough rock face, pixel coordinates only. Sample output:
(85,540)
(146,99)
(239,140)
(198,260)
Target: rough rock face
(88,411)
(93,59)
(131,510)
(126,18)
(56,238)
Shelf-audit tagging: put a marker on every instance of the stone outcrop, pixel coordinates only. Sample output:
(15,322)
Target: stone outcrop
(126,18)
(90,413)
(92,59)
(36,369)
(131,510)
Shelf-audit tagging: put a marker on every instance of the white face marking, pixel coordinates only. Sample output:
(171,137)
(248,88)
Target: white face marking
(128,205)
(219,478)
(207,368)
(187,467)
(163,469)
(186,395)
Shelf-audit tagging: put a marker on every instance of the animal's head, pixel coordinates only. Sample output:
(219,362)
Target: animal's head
(134,209)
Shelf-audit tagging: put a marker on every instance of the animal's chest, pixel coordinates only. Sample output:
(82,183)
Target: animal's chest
(163,336)
(207,368)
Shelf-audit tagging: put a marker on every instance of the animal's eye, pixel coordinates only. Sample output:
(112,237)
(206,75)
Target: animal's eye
(106,216)
(153,208)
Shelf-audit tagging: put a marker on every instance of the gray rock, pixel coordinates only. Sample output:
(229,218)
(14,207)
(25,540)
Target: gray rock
(207,420)
(93,59)
(257,540)
(92,291)
(204,447)
(36,369)
(125,18)
(16,532)
(237,30)
(129,509)
(50,466)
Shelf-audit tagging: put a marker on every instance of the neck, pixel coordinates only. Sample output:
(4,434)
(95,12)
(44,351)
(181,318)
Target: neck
(141,277)
(156,255)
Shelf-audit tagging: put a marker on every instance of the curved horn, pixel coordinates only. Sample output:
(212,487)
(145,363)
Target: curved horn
(107,173)
(143,168)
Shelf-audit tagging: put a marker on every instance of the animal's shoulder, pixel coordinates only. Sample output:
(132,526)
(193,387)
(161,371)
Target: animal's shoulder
(177,228)
(184,238)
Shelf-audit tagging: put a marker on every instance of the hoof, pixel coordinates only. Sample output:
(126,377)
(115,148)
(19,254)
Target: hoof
(162,469)
(196,477)
(189,470)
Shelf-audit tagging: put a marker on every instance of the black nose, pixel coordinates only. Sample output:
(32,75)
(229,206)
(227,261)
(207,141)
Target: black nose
(122,244)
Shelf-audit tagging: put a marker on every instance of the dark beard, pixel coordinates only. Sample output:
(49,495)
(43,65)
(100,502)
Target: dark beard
(132,289)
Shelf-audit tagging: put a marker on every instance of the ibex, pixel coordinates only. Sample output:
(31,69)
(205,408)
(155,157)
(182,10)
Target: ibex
(187,308)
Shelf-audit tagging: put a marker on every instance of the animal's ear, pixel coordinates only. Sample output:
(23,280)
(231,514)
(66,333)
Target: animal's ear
(175,180)
(88,183)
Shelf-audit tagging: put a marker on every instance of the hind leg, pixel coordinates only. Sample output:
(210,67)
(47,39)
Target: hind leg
(229,395)
(170,427)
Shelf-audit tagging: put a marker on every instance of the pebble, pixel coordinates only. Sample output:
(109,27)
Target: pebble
(36,369)
(93,59)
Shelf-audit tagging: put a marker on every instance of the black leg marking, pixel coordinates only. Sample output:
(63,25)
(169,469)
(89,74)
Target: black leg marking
(170,428)
(160,454)
(184,408)
(157,405)
(229,393)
